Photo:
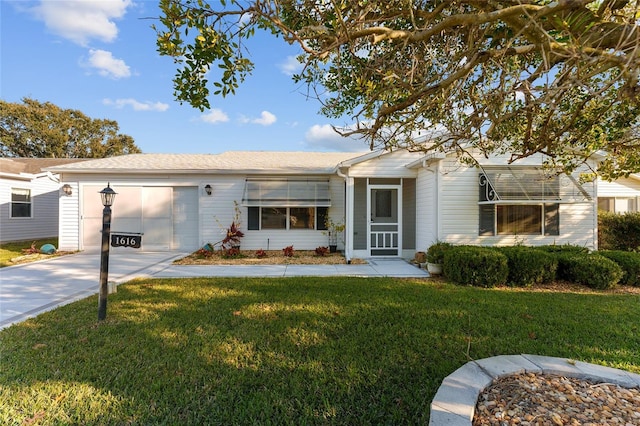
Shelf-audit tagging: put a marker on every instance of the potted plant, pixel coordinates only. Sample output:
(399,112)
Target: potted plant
(334,229)
(435,256)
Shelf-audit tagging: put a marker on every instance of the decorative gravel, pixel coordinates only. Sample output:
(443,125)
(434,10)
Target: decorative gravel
(537,400)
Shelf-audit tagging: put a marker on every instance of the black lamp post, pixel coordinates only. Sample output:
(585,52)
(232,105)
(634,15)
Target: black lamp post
(108,195)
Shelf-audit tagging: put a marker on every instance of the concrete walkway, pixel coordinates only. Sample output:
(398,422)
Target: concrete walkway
(30,289)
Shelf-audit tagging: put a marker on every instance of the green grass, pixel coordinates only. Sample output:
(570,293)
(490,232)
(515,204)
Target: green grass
(288,351)
(13,249)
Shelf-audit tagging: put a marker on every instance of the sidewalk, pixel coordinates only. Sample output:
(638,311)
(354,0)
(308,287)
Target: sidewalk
(30,289)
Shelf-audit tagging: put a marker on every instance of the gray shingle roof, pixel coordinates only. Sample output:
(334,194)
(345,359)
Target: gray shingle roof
(230,161)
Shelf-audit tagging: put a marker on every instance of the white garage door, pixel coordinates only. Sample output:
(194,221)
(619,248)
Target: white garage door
(146,210)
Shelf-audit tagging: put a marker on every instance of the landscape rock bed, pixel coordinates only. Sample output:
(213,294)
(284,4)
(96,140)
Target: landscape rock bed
(536,399)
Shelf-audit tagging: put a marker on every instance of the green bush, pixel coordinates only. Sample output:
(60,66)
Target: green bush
(436,251)
(619,231)
(590,269)
(529,266)
(629,262)
(563,248)
(476,266)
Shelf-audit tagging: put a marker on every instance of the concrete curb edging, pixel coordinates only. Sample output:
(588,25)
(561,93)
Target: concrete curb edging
(454,403)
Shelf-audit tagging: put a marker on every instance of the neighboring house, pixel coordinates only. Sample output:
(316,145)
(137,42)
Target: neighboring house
(392,203)
(620,196)
(29,198)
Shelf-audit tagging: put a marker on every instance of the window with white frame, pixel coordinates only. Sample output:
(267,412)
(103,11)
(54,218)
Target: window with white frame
(20,203)
(618,204)
(286,204)
(524,200)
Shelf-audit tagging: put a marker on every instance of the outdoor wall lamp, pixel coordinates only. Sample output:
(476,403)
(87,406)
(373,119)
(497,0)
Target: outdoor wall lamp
(208,189)
(107,195)
(66,188)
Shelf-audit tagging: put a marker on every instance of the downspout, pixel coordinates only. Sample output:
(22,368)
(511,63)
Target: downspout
(347,215)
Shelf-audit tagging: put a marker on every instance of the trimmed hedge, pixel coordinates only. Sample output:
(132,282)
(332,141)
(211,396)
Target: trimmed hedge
(590,269)
(629,262)
(619,231)
(529,266)
(476,266)
(564,248)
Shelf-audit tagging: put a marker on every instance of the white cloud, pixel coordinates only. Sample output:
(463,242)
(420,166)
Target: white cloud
(107,65)
(215,116)
(266,119)
(324,137)
(137,105)
(290,66)
(82,20)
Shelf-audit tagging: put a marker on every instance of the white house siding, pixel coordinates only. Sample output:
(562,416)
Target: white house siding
(217,212)
(426,207)
(69,224)
(459,214)
(389,165)
(44,210)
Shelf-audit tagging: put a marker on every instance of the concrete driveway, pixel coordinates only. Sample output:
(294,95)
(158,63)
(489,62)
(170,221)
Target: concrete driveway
(30,289)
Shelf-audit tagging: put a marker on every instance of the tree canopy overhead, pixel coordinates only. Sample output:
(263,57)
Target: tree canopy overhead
(44,130)
(558,78)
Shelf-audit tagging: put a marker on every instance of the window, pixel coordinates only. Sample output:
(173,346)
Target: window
(20,202)
(519,219)
(287,203)
(290,218)
(617,204)
(524,200)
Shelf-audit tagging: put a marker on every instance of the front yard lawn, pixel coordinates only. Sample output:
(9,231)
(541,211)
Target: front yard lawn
(289,351)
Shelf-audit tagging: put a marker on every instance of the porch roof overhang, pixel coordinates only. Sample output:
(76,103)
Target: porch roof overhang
(526,185)
(286,192)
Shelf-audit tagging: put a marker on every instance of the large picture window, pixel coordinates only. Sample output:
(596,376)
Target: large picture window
(524,200)
(20,202)
(519,219)
(287,218)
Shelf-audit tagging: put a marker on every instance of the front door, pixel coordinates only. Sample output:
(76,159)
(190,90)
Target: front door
(384,220)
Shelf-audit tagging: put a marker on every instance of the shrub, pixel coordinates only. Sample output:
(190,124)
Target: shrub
(288,251)
(231,253)
(563,248)
(261,253)
(477,266)
(619,231)
(591,269)
(529,266)
(322,251)
(629,262)
(436,251)
(204,252)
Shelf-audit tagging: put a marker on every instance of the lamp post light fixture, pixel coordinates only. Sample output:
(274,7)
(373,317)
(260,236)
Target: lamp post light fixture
(107,195)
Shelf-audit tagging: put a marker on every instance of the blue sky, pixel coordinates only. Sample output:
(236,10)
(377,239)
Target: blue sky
(99,57)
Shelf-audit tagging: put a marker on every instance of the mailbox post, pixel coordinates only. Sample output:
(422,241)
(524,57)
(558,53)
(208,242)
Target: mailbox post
(107,195)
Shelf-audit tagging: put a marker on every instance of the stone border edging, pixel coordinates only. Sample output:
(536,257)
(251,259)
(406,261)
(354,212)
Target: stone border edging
(454,403)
